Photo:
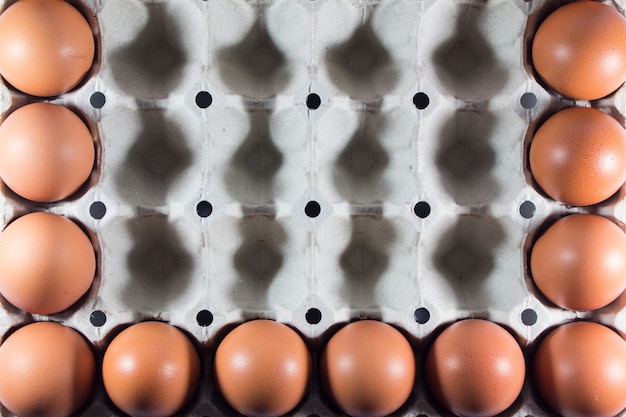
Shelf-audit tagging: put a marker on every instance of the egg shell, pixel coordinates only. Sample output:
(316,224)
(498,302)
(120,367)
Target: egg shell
(579,369)
(47,370)
(47,263)
(46,152)
(368,369)
(46,46)
(579,263)
(475,368)
(580,50)
(151,369)
(578,156)
(262,368)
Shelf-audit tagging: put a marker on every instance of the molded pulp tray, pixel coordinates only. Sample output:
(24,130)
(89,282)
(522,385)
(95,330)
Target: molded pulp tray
(210,144)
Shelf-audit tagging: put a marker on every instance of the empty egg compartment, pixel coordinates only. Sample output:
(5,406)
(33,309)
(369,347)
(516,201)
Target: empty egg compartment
(476,55)
(152,49)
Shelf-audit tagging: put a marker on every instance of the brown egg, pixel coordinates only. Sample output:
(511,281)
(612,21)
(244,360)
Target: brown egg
(579,263)
(46,152)
(47,263)
(46,46)
(151,369)
(580,50)
(262,368)
(579,369)
(368,369)
(475,368)
(578,156)
(47,370)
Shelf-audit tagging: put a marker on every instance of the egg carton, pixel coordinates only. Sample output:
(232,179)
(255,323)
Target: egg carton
(312,162)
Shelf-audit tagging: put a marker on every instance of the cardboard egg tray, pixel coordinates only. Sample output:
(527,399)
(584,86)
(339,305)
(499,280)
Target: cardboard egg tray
(312,162)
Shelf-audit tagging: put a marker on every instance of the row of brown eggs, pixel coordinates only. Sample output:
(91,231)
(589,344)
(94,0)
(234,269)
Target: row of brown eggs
(46,154)
(46,151)
(578,155)
(368,368)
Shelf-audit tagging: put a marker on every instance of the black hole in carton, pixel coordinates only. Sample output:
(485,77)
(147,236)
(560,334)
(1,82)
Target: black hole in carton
(97,100)
(312,209)
(204,318)
(97,210)
(528,100)
(529,317)
(313,101)
(421,315)
(313,316)
(421,101)
(204,99)
(204,209)
(314,415)
(422,209)
(97,318)
(527,209)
